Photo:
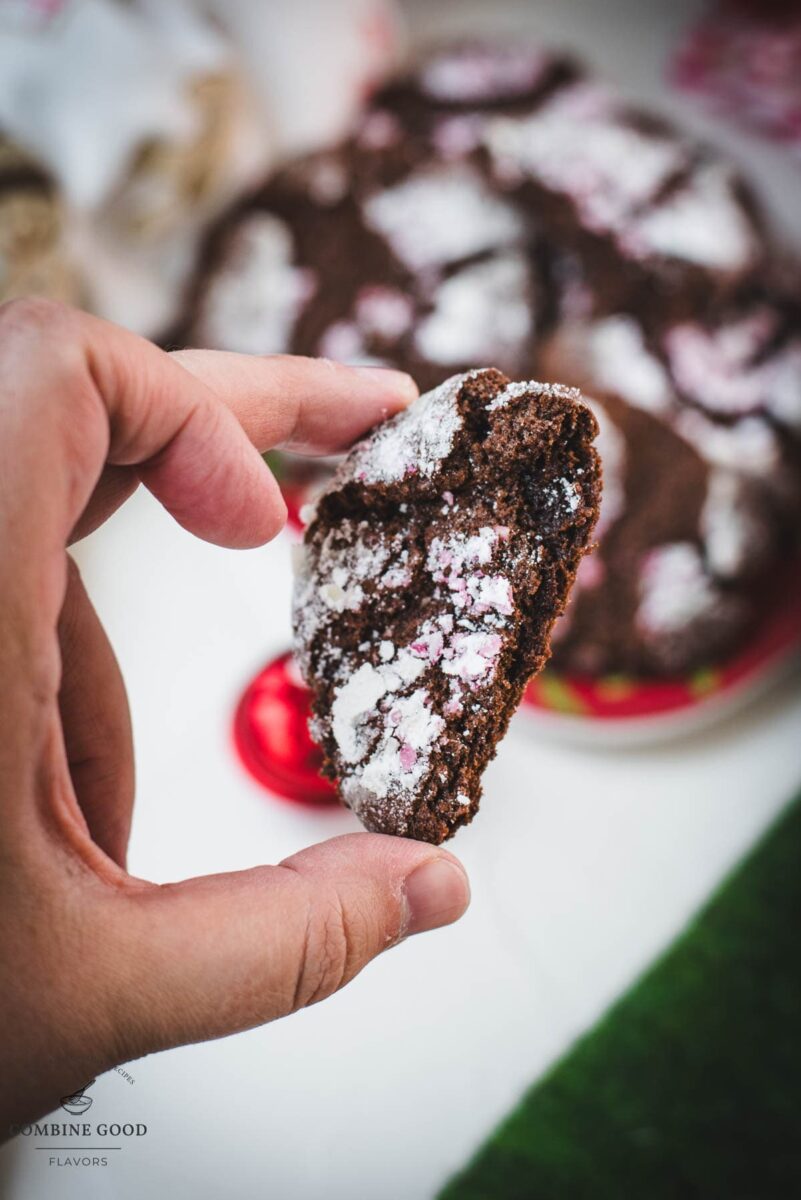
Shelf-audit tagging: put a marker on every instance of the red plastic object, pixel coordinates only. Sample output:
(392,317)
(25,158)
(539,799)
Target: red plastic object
(272,737)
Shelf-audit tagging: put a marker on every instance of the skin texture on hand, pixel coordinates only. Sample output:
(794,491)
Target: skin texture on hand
(87,413)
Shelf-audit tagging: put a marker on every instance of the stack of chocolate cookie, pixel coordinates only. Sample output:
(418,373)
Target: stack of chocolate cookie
(500,207)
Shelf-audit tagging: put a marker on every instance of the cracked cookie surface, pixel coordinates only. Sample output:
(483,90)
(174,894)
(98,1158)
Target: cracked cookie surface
(432,571)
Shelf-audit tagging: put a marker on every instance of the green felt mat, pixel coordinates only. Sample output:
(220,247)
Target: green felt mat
(690,1087)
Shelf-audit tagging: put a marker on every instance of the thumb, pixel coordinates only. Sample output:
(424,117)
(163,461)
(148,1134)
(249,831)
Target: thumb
(223,953)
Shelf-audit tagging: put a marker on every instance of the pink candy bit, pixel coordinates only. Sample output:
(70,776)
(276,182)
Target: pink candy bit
(472,654)
(745,66)
(448,498)
(408,756)
(380,129)
(453,708)
(429,647)
(502,531)
(455,137)
(491,647)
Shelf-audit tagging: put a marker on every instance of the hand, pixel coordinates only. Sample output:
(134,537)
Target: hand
(87,412)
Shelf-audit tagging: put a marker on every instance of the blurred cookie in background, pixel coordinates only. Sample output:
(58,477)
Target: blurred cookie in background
(151,117)
(372,256)
(33,253)
(701,488)
(656,218)
(496,204)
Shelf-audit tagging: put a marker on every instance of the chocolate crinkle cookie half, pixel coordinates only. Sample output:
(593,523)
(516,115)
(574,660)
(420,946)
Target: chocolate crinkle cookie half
(431,574)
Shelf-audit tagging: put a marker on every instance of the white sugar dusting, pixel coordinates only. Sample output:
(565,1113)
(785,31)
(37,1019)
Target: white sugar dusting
(440,215)
(513,391)
(414,442)
(750,445)
(331,574)
(482,312)
(703,223)
(717,369)
(620,362)
(357,699)
(479,73)
(579,145)
(257,293)
(675,590)
(734,538)
(383,311)
(382,718)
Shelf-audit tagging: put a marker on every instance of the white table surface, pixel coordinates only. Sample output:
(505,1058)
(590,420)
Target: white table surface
(585,863)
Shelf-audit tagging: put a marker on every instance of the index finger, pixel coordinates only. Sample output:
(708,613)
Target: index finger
(77,393)
(307,405)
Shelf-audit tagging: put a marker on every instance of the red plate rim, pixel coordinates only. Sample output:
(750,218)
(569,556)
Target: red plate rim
(628,699)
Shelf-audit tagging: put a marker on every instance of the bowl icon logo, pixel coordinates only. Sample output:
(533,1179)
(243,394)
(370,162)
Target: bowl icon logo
(77,1103)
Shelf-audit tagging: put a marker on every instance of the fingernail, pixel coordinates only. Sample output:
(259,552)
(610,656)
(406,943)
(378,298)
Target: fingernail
(435,894)
(388,379)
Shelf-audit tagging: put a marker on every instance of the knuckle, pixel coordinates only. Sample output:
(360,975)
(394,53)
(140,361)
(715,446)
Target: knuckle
(330,951)
(32,314)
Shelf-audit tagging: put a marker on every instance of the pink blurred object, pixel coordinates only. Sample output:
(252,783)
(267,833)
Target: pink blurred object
(744,60)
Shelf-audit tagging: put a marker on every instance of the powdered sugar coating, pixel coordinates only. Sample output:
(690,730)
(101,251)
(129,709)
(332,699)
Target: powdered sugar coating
(513,391)
(620,362)
(439,215)
(383,311)
(727,370)
(483,311)
(477,73)
(382,714)
(703,223)
(457,136)
(734,539)
(253,301)
(675,590)
(416,441)
(331,575)
(749,445)
(357,699)
(379,312)
(580,145)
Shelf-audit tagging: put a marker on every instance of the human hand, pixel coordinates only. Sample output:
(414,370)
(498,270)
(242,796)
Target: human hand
(87,412)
